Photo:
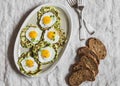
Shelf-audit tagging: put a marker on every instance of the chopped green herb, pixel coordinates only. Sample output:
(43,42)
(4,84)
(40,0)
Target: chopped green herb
(32,39)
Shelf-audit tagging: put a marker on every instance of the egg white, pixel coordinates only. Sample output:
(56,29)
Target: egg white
(52,55)
(37,39)
(28,69)
(56,36)
(53,20)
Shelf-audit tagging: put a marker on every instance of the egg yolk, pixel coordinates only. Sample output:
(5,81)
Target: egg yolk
(46,20)
(33,34)
(51,35)
(29,63)
(45,53)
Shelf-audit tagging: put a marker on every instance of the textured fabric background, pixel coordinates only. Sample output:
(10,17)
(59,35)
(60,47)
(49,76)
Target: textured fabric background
(103,15)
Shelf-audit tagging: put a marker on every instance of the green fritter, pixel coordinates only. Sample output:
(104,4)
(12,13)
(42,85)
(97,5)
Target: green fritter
(54,37)
(47,17)
(28,65)
(30,35)
(45,53)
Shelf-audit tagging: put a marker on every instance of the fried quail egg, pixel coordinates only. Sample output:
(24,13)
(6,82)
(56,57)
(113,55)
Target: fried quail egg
(46,54)
(29,64)
(51,36)
(33,34)
(47,20)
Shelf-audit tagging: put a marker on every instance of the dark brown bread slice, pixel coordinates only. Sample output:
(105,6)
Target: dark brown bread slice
(90,63)
(97,47)
(79,66)
(79,76)
(86,51)
(76,78)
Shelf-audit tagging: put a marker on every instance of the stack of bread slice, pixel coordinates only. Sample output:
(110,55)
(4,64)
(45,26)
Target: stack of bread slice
(86,67)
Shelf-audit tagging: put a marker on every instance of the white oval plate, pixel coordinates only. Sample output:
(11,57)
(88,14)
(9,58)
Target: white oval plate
(66,24)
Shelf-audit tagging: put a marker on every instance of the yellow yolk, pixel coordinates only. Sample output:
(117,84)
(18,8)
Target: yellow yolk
(33,34)
(29,63)
(45,53)
(51,35)
(46,20)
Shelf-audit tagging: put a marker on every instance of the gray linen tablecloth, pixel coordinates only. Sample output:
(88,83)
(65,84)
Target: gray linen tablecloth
(103,15)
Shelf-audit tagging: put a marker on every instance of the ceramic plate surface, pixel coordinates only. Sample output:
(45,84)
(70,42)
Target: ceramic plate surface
(66,25)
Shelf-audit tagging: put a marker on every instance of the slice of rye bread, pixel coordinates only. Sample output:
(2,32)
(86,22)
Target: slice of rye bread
(86,51)
(90,63)
(77,77)
(80,66)
(97,47)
